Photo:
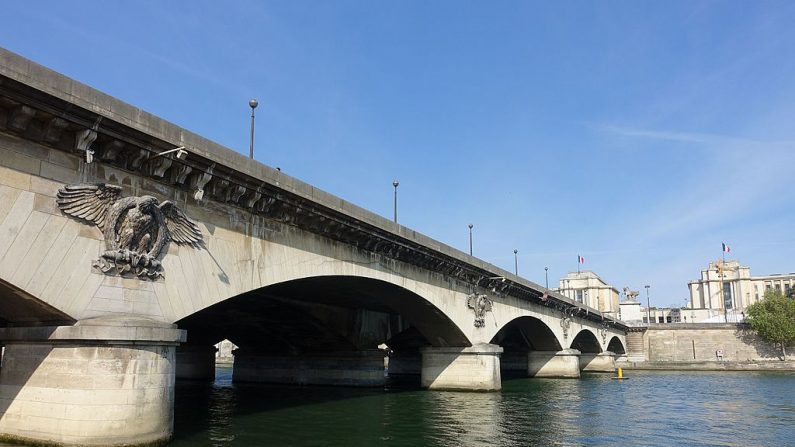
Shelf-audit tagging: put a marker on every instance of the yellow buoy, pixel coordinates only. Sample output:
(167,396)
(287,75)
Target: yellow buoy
(620,375)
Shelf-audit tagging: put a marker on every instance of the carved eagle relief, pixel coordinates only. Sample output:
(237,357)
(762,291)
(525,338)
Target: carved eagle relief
(480,304)
(136,229)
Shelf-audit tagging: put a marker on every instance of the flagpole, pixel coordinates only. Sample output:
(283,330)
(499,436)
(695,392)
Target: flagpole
(723,292)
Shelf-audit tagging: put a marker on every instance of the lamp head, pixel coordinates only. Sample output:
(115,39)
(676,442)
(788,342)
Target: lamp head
(253,103)
(395,183)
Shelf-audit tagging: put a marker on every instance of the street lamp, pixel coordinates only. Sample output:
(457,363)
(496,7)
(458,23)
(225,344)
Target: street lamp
(253,104)
(395,183)
(648,306)
(546,276)
(516,261)
(470,239)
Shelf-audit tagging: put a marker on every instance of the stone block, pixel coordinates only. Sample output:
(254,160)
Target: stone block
(556,364)
(20,163)
(14,179)
(475,368)
(56,388)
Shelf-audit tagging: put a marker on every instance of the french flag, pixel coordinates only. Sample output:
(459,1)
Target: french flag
(581,260)
(726,248)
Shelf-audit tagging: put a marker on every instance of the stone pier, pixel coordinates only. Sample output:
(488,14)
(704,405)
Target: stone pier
(103,381)
(562,364)
(475,368)
(359,368)
(404,367)
(601,362)
(196,362)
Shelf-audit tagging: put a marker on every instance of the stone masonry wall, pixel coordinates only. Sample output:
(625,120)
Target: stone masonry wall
(700,342)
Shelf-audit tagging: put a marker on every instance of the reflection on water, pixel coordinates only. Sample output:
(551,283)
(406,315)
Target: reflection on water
(652,409)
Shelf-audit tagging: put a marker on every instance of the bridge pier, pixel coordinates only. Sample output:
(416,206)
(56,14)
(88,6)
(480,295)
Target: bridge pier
(601,362)
(560,364)
(195,362)
(103,381)
(475,368)
(356,368)
(404,367)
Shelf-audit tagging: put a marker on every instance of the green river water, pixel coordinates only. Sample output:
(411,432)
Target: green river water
(650,409)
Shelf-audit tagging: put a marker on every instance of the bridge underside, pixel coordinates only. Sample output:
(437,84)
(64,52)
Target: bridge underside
(321,330)
(19,308)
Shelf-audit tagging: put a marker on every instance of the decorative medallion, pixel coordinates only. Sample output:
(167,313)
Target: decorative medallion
(603,333)
(480,304)
(136,229)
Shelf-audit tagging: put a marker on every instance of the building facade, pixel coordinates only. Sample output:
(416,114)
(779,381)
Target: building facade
(727,288)
(588,288)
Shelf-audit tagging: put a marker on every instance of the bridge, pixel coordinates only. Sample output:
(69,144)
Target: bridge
(122,264)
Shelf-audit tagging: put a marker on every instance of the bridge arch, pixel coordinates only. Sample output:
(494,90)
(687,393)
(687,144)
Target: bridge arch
(330,312)
(526,333)
(518,338)
(615,346)
(586,342)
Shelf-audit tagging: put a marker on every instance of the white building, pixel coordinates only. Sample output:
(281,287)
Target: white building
(739,288)
(588,288)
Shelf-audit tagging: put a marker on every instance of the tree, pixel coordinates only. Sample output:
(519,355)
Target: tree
(773,318)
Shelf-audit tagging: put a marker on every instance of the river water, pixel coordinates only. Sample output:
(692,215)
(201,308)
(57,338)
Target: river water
(650,409)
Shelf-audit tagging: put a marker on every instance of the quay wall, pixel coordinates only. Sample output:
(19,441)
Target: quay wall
(702,346)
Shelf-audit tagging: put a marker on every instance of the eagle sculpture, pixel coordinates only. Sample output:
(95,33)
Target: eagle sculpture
(480,304)
(136,229)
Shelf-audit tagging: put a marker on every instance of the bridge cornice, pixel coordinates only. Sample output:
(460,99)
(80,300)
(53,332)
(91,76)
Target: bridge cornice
(47,108)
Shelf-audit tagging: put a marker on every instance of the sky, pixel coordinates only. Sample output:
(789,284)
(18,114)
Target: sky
(640,135)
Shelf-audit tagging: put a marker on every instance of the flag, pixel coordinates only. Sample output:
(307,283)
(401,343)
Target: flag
(580,259)
(726,248)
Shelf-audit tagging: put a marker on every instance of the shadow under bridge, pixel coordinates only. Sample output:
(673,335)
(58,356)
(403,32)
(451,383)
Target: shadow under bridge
(326,330)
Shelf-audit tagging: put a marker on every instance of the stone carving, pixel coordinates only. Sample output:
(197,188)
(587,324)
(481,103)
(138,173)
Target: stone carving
(565,323)
(136,229)
(480,304)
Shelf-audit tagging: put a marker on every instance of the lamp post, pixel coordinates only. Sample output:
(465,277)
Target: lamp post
(470,239)
(253,104)
(516,261)
(546,277)
(395,183)
(648,306)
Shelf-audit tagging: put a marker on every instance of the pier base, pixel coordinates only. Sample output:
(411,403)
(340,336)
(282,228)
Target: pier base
(359,368)
(475,368)
(103,381)
(601,362)
(561,364)
(404,367)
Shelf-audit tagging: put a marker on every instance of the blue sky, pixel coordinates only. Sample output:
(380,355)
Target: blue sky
(640,135)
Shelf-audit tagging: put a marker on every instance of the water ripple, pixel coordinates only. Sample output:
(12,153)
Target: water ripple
(651,409)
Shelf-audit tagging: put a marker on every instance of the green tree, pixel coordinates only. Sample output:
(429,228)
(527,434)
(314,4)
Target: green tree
(773,318)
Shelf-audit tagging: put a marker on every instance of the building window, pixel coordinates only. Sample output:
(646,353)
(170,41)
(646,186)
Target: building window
(668,319)
(778,287)
(579,296)
(727,296)
(661,319)
(646,320)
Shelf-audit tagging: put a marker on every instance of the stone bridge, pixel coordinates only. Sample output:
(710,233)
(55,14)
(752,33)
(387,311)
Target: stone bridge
(109,293)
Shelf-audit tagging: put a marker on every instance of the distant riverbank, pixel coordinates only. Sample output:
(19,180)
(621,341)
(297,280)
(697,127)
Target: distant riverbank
(709,366)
